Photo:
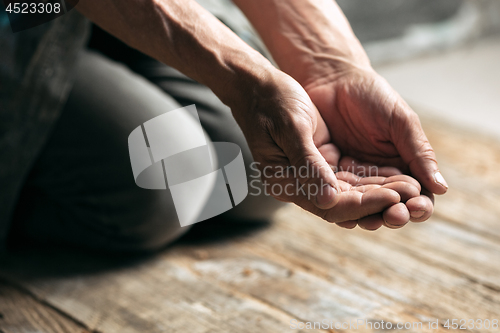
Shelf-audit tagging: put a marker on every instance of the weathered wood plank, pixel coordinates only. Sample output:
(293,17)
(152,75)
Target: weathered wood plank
(20,312)
(426,264)
(302,268)
(471,164)
(149,296)
(314,271)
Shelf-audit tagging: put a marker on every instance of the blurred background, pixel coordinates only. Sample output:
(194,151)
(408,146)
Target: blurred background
(442,56)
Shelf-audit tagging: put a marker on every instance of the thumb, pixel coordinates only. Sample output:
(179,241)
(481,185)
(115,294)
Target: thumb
(315,176)
(416,151)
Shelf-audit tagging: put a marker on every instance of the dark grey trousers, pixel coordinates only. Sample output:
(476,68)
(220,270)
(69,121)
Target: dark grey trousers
(81,190)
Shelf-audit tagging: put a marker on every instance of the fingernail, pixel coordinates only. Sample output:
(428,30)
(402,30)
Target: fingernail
(365,228)
(326,195)
(393,226)
(417,214)
(438,178)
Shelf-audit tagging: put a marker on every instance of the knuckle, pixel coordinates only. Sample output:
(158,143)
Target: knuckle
(328,215)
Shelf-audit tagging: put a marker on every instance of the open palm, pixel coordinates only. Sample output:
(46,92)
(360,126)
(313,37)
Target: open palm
(370,122)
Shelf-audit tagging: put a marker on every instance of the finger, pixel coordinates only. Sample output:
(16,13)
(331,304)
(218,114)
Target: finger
(406,186)
(421,207)
(312,170)
(351,205)
(355,180)
(406,190)
(396,216)
(416,151)
(348,224)
(372,222)
(354,205)
(362,169)
(364,188)
(344,186)
(403,178)
(428,194)
(372,180)
(331,154)
(348,177)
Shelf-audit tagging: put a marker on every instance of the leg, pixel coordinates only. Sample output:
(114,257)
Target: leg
(81,190)
(216,118)
(220,125)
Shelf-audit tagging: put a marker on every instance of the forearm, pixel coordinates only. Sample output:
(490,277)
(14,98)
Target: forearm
(307,38)
(185,36)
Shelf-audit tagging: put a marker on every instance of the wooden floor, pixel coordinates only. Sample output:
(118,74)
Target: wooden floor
(298,269)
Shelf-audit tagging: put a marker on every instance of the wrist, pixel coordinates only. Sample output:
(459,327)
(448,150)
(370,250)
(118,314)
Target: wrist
(309,67)
(309,39)
(215,56)
(245,78)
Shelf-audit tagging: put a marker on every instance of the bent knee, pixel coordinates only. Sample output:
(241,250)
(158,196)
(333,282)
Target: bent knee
(147,225)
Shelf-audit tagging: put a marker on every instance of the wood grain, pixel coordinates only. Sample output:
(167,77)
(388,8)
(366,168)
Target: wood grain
(471,162)
(20,312)
(299,268)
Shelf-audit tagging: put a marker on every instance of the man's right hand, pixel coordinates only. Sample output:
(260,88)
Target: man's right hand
(281,124)
(292,146)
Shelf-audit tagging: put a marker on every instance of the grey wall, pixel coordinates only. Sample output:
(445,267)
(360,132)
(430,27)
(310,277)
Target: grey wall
(384,19)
